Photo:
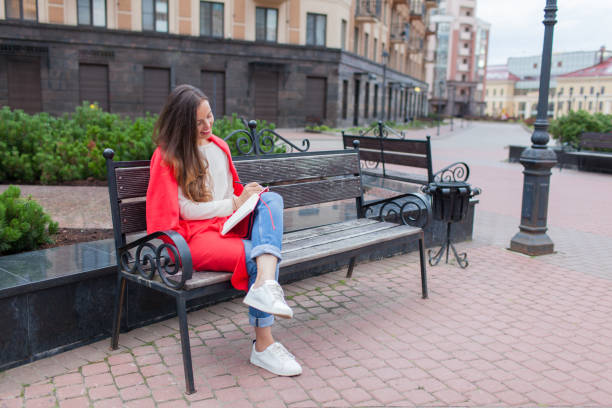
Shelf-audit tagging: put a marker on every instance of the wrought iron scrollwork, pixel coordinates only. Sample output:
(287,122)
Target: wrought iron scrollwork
(253,142)
(171,259)
(409,209)
(379,129)
(458,171)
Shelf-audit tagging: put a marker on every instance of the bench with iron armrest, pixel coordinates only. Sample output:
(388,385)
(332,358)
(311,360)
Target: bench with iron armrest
(381,146)
(588,157)
(302,179)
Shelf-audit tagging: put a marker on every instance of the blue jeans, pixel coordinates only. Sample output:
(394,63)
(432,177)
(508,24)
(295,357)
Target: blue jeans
(266,238)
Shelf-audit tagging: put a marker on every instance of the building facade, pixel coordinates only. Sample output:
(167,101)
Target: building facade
(457,60)
(292,62)
(580,80)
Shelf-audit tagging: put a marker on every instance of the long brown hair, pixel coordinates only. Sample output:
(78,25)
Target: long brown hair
(176,133)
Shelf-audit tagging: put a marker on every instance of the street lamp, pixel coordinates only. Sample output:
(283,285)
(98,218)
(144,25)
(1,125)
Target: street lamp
(538,160)
(385,56)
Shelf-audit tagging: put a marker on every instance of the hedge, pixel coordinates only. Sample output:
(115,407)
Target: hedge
(45,149)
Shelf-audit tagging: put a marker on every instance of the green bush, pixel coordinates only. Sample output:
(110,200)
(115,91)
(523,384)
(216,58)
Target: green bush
(24,225)
(567,129)
(49,150)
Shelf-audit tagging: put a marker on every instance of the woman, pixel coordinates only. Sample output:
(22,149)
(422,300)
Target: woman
(193,189)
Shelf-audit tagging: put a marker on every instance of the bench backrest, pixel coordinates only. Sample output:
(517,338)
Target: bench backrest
(405,152)
(591,140)
(301,179)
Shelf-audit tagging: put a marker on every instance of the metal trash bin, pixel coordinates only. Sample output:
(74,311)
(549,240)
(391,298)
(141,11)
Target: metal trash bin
(450,202)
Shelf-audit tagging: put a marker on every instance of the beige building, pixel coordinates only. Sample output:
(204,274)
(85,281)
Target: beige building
(364,27)
(357,59)
(580,80)
(457,59)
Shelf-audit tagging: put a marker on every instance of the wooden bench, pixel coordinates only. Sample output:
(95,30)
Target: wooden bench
(302,179)
(589,156)
(380,146)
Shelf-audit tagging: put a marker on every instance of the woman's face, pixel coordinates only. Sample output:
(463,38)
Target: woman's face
(205,120)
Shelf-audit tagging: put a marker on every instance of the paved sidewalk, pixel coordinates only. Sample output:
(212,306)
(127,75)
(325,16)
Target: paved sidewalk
(509,330)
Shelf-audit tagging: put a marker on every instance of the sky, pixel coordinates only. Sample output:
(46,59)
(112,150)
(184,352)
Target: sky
(517,29)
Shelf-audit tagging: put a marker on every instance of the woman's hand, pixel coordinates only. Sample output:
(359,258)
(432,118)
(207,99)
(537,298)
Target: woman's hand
(248,191)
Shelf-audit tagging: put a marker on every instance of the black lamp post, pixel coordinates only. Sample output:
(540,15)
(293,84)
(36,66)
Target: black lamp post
(538,160)
(385,55)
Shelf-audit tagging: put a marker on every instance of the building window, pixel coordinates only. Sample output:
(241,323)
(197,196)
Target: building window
(266,24)
(21,10)
(375,111)
(581,90)
(579,105)
(366,40)
(501,92)
(465,45)
(535,65)
(600,106)
(92,12)
(571,90)
(375,50)
(592,90)
(344,99)
(603,90)
(559,106)
(560,63)
(211,19)
(590,105)
(356,41)
(560,91)
(343,35)
(463,77)
(315,29)
(494,92)
(155,15)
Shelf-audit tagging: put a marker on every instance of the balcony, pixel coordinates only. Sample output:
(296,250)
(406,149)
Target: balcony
(368,11)
(417,9)
(464,52)
(431,3)
(463,67)
(400,33)
(466,36)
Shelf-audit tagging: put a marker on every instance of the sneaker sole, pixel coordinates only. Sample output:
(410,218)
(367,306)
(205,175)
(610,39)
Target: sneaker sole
(263,308)
(283,374)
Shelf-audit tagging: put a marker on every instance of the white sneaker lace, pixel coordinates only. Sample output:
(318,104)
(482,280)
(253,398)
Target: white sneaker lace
(277,292)
(280,351)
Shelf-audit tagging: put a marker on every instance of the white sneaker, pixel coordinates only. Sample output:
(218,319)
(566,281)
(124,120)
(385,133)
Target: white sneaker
(269,298)
(277,360)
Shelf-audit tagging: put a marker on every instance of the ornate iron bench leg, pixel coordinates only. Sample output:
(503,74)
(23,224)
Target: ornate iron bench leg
(119,296)
(351,265)
(182,315)
(423,266)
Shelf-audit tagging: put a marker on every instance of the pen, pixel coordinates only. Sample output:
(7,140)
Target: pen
(241,182)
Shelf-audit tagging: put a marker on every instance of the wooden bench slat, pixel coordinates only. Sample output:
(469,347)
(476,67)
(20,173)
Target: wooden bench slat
(362,241)
(397,175)
(333,237)
(325,229)
(403,146)
(133,216)
(132,182)
(316,192)
(395,158)
(283,169)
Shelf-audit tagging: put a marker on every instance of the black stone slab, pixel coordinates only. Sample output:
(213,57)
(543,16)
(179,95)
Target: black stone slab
(14,345)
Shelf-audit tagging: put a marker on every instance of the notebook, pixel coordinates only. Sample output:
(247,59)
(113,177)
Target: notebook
(242,212)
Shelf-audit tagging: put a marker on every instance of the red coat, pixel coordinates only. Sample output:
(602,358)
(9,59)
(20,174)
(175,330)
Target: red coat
(209,249)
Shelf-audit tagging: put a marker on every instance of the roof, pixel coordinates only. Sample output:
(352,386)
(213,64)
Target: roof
(500,73)
(602,69)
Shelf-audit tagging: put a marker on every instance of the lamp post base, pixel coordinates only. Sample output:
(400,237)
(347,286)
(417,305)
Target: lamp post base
(532,244)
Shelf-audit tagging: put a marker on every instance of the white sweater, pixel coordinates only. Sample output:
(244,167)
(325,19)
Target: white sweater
(222,188)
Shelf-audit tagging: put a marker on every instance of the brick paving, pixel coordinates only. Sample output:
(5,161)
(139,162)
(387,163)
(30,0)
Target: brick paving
(510,330)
